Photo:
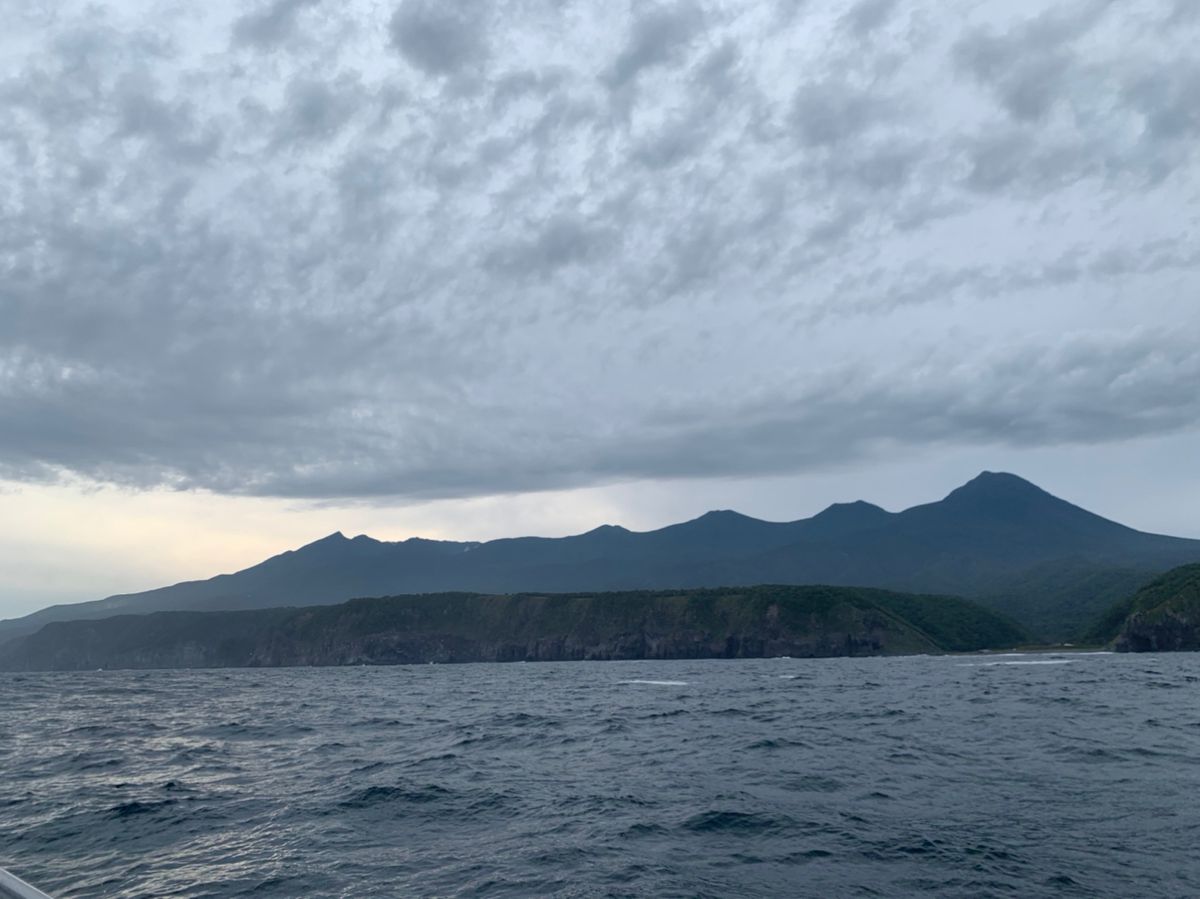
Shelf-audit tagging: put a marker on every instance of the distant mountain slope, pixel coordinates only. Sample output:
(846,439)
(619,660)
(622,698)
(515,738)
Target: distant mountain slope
(733,623)
(1062,599)
(998,538)
(1163,616)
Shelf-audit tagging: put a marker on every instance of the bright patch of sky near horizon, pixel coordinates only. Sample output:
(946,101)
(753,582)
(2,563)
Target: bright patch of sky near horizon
(472,269)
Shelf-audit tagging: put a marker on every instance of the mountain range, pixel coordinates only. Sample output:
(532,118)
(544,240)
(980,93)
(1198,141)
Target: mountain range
(998,539)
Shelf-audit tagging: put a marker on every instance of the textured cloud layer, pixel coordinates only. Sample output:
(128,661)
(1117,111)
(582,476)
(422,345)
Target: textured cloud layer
(452,248)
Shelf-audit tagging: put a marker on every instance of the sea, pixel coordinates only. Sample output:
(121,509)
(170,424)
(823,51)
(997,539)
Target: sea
(964,776)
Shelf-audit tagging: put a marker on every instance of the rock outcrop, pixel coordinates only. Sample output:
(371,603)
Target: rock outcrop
(1164,616)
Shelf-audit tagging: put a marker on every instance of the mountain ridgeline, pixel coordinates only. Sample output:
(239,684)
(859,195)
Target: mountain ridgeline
(756,622)
(998,540)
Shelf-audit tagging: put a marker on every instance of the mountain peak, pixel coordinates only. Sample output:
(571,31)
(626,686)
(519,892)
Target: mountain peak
(718,530)
(606,529)
(859,506)
(999,477)
(722,515)
(844,518)
(721,521)
(1002,495)
(994,484)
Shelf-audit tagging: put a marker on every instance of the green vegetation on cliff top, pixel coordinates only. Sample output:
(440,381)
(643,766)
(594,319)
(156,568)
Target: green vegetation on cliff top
(1162,615)
(463,627)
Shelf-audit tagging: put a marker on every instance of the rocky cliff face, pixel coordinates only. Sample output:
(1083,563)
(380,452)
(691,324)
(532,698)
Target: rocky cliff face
(1167,632)
(404,649)
(446,628)
(1164,616)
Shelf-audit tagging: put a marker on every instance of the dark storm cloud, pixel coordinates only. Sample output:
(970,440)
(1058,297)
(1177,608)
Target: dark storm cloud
(270,25)
(315,109)
(716,82)
(1066,106)
(1098,385)
(831,113)
(1184,11)
(1028,66)
(560,241)
(868,15)
(440,37)
(657,36)
(448,249)
(1166,100)
(172,127)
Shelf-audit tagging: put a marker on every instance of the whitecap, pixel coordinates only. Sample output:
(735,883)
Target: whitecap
(657,683)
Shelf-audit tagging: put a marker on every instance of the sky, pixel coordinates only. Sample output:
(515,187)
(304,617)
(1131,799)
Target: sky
(477,269)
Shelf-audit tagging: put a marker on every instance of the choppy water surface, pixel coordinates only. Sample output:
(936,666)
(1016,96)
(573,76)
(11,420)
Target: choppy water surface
(1072,775)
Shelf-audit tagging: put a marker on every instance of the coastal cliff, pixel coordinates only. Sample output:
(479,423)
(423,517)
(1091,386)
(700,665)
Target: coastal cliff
(1164,616)
(462,627)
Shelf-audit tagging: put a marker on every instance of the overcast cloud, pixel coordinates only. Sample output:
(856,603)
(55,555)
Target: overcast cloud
(438,249)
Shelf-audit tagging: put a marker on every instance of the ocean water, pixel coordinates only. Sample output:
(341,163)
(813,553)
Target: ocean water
(1070,775)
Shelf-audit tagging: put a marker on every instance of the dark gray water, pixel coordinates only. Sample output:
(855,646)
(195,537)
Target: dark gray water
(1072,775)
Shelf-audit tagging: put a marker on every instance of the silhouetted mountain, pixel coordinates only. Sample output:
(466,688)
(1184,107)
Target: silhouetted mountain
(845,518)
(748,622)
(998,539)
